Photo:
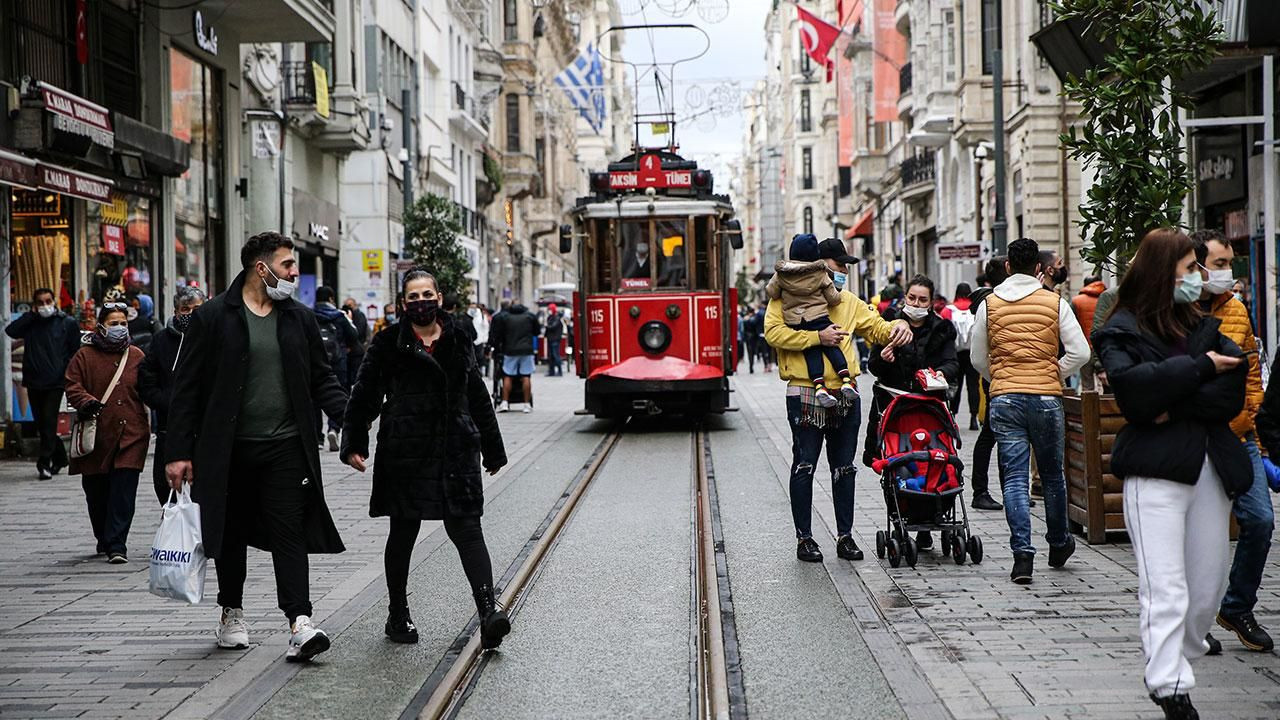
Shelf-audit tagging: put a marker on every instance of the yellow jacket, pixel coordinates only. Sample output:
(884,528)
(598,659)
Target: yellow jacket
(852,315)
(1236,326)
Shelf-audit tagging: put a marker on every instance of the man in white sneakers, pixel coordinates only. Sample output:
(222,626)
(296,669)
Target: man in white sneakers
(241,431)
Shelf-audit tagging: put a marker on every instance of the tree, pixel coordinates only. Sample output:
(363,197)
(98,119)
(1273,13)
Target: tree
(432,228)
(1130,135)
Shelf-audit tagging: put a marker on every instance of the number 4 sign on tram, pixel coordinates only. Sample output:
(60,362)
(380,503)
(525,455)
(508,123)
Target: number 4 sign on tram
(650,175)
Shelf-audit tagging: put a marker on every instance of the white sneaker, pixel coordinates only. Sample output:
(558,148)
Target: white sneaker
(306,642)
(528,408)
(825,399)
(232,632)
(333,441)
(504,406)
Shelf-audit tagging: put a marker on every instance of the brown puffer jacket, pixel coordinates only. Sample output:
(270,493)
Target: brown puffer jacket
(805,288)
(1237,327)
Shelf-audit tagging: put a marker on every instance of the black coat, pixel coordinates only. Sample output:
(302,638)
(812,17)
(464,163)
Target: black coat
(555,328)
(512,332)
(155,375)
(437,422)
(207,388)
(48,345)
(1268,419)
(1150,379)
(934,347)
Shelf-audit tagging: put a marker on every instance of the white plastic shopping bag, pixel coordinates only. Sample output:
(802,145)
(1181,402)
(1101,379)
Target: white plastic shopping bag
(177,553)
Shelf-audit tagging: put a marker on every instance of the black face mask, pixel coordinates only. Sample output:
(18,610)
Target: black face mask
(1059,275)
(182,322)
(421,312)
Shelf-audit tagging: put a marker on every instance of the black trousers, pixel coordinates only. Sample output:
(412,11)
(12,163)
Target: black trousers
(467,537)
(267,494)
(44,408)
(967,383)
(979,478)
(111,498)
(813,355)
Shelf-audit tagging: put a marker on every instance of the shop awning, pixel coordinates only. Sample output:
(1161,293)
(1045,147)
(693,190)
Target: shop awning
(863,226)
(17,170)
(74,183)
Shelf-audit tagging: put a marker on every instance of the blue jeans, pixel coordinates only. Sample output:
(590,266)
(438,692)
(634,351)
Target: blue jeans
(1257,519)
(1023,424)
(841,435)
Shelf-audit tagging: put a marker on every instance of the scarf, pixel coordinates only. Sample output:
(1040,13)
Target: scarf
(103,342)
(814,415)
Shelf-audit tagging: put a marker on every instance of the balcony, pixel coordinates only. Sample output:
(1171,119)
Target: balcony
(339,131)
(474,225)
(916,173)
(464,117)
(905,100)
(272,20)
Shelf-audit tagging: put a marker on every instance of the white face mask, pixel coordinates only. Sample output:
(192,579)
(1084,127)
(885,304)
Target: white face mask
(915,313)
(47,311)
(283,290)
(1219,282)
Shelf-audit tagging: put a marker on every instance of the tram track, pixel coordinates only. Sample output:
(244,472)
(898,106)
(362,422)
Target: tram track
(716,689)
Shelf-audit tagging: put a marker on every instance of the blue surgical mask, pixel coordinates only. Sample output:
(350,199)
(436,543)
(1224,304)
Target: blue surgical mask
(839,279)
(1188,291)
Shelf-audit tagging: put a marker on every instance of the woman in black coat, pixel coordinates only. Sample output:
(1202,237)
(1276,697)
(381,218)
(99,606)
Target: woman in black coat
(1179,383)
(437,424)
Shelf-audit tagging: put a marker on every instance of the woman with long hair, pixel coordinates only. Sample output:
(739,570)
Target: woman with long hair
(1179,382)
(438,429)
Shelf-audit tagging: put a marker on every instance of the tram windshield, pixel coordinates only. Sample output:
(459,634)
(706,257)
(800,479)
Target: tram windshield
(663,253)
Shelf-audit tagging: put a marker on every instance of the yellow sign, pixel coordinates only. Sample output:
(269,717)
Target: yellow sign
(322,89)
(660,128)
(372,260)
(117,213)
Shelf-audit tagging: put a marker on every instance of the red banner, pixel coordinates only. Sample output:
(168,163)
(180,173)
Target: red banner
(890,55)
(113,239)
(851,20)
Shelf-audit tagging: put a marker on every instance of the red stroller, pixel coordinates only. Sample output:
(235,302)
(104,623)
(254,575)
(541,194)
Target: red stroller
(920,473)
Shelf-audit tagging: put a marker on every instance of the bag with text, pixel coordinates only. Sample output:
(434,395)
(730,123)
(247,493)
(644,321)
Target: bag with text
(177,553)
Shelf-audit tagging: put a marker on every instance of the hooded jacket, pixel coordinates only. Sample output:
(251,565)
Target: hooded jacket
(47,347)
(512,332)
(1085,303)
(1029,346)
(806,290)
(1177,406)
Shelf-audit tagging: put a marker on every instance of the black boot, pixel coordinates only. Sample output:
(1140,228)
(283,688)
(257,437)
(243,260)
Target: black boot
(494,623)
(1177,707)
(400,627)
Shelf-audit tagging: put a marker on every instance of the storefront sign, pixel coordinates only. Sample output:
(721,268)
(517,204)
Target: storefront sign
(75,184)
(315,221)
(1220,169)
(113,240)
(78,116)
(206,38)
(117,212)
(960,252)
(17,170)
(371,260)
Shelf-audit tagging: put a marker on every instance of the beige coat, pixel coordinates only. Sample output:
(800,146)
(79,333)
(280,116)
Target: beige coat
(805,289)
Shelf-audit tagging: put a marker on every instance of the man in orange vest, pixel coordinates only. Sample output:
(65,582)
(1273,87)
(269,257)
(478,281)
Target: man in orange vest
(1253,509)
(1016,336)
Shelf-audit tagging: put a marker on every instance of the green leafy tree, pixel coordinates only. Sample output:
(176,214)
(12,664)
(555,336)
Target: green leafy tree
(432,229)
(1130,135)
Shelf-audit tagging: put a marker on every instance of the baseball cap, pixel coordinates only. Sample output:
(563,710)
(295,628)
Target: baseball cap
(834,249)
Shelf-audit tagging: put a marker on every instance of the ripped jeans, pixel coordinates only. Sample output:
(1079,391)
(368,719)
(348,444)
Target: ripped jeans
(806,447)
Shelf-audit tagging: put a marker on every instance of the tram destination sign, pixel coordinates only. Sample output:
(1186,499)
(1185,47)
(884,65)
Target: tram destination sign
(650,175)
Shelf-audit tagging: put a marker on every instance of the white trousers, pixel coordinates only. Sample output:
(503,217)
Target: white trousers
(1180,538)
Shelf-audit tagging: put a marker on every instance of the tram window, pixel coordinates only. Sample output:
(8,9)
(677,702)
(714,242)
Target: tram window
(702,246)
(599,257)
(635,255)
(673,262)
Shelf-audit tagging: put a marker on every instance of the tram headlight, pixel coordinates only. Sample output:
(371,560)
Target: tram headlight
(654,336)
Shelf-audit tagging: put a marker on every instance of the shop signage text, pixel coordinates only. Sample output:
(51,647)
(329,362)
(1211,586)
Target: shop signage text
(372,261)
(75,184)
(206,38)
(319,231)
(78,116)
(112,240)
(17,170)
(960,252)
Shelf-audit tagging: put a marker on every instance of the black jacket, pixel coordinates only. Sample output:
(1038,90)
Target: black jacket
(48,345)
(934,347)
(207,388)
(155,375)
(1268,418)
(555,328)
(437,423)
(512,332)
(1150,380)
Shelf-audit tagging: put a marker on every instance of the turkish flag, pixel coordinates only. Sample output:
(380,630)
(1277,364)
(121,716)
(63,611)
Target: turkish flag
(82,34)
(817,36)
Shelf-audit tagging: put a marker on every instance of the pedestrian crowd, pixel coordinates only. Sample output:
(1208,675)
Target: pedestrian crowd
(1173,342)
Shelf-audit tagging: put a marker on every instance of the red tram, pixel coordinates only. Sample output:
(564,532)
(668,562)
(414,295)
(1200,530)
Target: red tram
(655,306)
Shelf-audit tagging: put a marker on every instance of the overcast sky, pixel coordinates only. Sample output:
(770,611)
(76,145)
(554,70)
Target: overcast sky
(732,64)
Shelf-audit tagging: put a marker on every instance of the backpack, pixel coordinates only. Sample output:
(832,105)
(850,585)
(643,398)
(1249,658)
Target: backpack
(331,339)
(963,320)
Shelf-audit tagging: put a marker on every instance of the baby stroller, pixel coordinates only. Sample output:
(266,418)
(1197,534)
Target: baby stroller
(920,474)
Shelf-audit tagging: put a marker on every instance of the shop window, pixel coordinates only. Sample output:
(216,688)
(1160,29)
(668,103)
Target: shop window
(40,252)
(120,253)
(196,109)
(673,258)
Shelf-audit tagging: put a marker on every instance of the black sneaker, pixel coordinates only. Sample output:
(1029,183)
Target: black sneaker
(984,501)
(400,627)
(1023,565)
(808,551)
(1215,647)
(846,549)
(973,424)
(1177,707)
(118,558)
(1058,555)
(1247,629)
(924,540)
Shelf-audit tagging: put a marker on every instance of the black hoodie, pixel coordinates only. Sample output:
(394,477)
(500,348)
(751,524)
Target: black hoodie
(513,332)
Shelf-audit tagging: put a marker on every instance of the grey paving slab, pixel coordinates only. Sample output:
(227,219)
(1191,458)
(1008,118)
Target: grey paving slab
(605,628)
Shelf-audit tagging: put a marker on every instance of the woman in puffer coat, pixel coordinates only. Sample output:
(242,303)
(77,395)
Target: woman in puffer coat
(438,423)
(1179,382)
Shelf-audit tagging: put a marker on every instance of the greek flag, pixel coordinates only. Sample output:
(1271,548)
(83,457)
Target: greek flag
(583,82)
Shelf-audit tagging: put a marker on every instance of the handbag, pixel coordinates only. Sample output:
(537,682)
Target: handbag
(84,433)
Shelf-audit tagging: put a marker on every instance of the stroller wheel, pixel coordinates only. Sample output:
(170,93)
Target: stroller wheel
(975,549)
(946,540)
(882,539)
(957,549)
(909,552)
(895,556)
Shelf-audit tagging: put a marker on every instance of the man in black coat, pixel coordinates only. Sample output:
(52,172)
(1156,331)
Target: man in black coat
(514,332)
(50,337)
(361,323)
(250,375)
(553,334)
(155,376)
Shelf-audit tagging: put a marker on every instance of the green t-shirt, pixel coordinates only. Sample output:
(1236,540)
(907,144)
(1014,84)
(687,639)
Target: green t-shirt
(265,413)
